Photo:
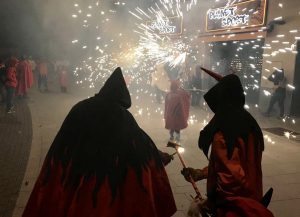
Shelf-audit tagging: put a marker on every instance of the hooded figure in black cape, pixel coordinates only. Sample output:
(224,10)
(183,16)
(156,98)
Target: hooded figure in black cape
(101,163)
(234,174)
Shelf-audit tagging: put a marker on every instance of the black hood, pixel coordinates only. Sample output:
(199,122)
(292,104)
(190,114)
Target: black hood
(115,90)
(101,138)
(227,93)
(226,99)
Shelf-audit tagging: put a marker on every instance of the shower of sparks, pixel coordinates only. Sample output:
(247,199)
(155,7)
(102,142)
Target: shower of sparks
(180,150)
(269,139)
(154,45)
(289,135)
(138,59)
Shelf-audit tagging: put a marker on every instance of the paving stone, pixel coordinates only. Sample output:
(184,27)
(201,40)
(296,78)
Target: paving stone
(281,160)
(15,137)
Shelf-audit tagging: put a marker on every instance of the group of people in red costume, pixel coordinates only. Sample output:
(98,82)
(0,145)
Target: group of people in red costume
(16,80)
(101,163)
(17,77)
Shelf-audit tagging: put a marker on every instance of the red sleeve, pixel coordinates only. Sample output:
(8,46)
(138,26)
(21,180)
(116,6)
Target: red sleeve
(11,77)
(205,171)
(238,176)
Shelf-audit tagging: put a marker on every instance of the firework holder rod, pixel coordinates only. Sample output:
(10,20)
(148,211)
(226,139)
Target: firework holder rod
(176,146)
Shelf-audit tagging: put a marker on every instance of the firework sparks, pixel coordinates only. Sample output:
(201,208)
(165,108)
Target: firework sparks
(156,39)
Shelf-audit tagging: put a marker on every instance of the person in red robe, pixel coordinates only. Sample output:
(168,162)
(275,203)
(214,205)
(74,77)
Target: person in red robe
(234,173)
(11,83)
(42,69)
(177,105)
(25,77)
(101,163)
(63,78)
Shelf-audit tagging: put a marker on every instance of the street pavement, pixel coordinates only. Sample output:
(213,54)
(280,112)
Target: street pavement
(15,142)
(281,157)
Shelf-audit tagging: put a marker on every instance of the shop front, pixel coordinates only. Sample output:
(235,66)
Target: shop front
(252,39)
(234,42)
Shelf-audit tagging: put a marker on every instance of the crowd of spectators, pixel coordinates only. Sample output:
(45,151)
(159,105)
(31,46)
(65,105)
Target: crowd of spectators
(18,75)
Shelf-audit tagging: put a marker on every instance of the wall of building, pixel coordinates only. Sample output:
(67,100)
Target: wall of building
(283,50)
(282,53)
(282,42)
(295,105)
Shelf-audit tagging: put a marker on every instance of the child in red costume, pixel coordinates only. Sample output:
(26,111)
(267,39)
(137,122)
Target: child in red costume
(177,105)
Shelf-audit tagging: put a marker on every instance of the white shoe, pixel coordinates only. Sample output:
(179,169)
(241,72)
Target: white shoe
(10,111)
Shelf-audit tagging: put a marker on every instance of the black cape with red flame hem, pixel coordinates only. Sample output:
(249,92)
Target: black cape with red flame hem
(234,183)
(101,163)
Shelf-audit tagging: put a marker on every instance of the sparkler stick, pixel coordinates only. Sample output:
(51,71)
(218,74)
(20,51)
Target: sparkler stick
(176,146)
(195,210)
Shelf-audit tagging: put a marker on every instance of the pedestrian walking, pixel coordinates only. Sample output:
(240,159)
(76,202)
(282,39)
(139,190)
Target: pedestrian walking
(278,96)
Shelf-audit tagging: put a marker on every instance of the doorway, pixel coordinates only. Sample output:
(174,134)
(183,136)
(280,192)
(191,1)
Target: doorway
(244,58)
(295,105)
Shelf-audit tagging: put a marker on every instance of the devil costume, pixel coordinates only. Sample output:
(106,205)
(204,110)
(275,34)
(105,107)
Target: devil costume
(102,164)
(177,105)
(234,174)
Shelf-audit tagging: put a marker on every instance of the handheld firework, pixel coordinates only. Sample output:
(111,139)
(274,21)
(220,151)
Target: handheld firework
(178,149)
(195,209)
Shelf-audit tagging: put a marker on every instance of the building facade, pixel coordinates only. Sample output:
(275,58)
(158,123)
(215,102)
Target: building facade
(252,38)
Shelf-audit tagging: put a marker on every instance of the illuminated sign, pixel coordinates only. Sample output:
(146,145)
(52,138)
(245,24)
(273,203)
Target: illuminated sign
(166,26)
(229,17)
(242,15)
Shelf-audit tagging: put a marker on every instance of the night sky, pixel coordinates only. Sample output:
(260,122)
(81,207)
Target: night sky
(29,26)
(19,23)
(43,27)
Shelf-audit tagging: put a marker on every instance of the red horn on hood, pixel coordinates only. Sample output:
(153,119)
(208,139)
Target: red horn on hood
(215,75)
